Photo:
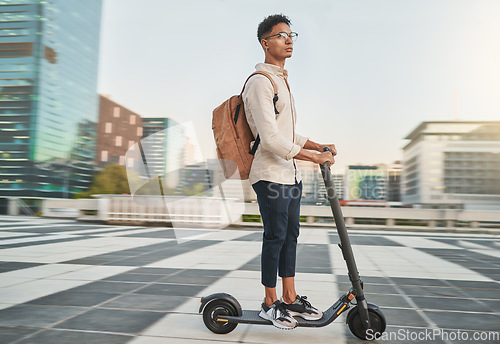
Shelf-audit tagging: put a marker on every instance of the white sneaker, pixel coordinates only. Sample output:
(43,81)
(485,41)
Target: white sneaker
(278,315)
(303,308)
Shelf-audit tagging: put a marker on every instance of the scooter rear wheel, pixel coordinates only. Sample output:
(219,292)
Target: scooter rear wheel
(377,321)
(213,310)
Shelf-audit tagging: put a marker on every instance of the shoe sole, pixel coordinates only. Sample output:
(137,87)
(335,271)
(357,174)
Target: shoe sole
(305,317)
(263,315)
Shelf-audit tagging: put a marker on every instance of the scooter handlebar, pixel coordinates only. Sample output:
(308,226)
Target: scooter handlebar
(327,163)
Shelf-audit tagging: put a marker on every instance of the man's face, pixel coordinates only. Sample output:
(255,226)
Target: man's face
(278,46)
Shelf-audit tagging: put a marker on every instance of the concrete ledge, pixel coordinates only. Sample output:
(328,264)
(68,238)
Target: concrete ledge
(468,230)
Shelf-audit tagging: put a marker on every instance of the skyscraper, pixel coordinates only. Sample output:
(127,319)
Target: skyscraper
(48,95)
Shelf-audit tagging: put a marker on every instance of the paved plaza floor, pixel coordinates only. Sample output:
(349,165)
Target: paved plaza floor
(63,281)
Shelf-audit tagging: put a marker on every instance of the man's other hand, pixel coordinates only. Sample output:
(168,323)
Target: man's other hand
(332,147)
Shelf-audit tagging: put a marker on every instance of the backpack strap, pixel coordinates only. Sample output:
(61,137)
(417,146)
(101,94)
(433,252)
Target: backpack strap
(275,88)
(275,99)
(255,145)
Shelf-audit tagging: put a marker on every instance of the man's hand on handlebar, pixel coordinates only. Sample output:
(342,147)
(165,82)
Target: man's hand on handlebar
(323,157)
(307,153)
(331,146)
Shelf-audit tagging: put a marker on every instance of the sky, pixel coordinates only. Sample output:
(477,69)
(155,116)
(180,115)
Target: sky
(364,73)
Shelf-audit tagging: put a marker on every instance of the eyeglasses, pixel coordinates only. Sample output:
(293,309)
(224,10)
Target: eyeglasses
(293,36)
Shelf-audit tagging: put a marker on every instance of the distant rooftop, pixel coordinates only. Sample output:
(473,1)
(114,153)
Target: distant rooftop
(452,127)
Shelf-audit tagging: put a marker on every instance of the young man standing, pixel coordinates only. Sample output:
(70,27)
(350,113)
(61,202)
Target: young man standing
(274,175)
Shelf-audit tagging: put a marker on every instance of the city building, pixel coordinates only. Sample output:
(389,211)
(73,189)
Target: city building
(394,172)
(453,165)
(313,185)
(48,101)
(198,179)
(366,182)
(311,181)
(338,182)
(163,146)
(118,129)
(207,179)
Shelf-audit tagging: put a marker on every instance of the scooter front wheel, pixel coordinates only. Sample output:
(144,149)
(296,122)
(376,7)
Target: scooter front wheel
(213,310)
(377,321)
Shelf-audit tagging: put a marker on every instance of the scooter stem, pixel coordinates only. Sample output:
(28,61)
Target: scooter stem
(345,244)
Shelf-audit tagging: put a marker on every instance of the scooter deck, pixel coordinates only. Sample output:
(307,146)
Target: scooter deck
(252,317)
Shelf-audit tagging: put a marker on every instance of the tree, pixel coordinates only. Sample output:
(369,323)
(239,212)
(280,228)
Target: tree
(111,180)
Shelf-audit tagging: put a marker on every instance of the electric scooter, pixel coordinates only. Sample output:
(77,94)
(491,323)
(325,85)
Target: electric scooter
(222,312)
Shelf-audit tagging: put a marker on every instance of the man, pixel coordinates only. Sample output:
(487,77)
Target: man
(274,175)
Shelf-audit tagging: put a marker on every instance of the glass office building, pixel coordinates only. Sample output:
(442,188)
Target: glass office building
(48,96)
(164,146)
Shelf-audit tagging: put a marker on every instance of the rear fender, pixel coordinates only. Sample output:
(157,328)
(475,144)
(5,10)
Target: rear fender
(221,296)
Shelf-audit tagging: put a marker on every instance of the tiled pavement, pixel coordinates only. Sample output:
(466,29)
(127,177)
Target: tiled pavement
(63,281)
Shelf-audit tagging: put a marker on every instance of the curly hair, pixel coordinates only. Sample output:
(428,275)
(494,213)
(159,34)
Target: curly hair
(266,26)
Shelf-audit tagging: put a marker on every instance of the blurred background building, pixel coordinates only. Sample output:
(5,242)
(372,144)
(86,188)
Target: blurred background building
(338,182)
(313,186)
(164,147)
(48,96)
(118,129)
(196,179)
(394,173)
(453,165)
(311,178)
(366,182)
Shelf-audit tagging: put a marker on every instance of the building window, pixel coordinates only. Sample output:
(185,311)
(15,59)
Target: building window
(130,143)
(104,155)
(139,131)
(116,112)
(108,128)
(132,119)
(130,162)
(122,160)
(118,141)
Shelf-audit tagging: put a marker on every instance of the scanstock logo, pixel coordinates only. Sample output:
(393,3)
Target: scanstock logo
(173,186)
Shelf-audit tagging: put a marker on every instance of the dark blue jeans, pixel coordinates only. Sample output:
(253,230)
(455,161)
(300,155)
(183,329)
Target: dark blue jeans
(279,206)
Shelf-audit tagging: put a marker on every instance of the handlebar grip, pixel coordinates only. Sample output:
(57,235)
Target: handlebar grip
(327,163)
(327,149)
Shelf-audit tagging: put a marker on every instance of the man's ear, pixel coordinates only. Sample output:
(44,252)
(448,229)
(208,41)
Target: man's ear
(264,45)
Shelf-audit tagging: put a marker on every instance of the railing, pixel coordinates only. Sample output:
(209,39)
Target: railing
(396,217)
(207,212)
(213,212)
(177,211)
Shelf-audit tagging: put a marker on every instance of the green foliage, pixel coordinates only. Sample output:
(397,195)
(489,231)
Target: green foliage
(111,180)
(251,218)
(256,218)
(197,189)
(155,186)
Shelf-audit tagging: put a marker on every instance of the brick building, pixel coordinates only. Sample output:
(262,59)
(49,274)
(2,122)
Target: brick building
(117,130)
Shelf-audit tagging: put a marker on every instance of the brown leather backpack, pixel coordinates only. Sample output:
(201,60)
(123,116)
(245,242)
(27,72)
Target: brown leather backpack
(233,135)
